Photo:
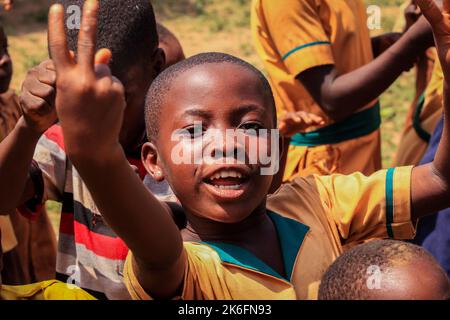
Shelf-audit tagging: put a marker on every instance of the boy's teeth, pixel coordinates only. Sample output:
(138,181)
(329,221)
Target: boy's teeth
(235,187)
(226,174)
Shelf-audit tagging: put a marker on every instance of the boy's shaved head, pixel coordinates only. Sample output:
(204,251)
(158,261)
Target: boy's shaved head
(160,88)
(127,28)
(164,34)
(391,270)
(171,46)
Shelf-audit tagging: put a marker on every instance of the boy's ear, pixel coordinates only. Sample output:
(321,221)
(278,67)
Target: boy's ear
(158,61)
(151,163)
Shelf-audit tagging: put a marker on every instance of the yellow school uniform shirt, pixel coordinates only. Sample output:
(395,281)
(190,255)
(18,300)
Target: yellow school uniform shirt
(292,36)
(316,218)
(47,290)
(419,128)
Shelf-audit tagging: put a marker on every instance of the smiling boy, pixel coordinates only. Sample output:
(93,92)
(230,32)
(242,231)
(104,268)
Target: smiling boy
(239,243)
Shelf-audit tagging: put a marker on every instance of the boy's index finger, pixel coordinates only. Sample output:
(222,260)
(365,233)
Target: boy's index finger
(430,10)
(88,35)
(57,41)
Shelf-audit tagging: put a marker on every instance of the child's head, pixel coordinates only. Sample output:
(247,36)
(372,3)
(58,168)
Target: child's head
(5,62)
(170,45)
(128,29)
(385,270)
(189,107)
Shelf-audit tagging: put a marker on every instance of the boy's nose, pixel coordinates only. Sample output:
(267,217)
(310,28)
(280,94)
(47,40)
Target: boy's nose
(4,60)
(225,143)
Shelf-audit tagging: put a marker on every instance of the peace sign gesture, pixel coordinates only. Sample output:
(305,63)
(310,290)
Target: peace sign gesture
(89,100)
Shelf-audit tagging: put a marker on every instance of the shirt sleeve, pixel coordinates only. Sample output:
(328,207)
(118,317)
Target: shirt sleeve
(378,206)
(203,276)
(49,183)
(298,34)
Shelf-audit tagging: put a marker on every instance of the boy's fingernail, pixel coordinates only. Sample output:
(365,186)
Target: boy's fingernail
(90,4)
(56,8)
(103,56)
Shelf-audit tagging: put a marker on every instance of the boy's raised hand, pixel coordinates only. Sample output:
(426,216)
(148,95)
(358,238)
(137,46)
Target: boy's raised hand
(89,101)
(37,99)
(440,23)
(90,104)
(296,122)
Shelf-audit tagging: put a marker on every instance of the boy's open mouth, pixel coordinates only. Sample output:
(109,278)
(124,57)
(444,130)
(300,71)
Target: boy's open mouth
(227,179)
(227,183)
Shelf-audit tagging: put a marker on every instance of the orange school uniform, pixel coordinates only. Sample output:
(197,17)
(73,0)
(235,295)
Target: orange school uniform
(419,128)
(315,218)
(292,36)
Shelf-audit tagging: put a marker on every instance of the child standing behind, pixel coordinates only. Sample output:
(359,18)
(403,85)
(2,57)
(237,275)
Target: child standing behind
(9,101)
(29,246)
(421,121)
(319,58)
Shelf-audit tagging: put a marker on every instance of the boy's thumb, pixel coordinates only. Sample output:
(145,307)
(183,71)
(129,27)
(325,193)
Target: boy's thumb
(103,56)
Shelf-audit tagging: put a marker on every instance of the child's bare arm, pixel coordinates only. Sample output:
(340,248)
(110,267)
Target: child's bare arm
(90,104)
(16,154)
(16,151)
(341,95)
(431,183)
(383,42)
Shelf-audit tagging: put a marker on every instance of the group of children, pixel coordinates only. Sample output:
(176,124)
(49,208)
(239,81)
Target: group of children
(94,130)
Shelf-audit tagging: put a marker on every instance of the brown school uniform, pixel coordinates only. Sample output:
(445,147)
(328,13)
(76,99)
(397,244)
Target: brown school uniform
(29,246)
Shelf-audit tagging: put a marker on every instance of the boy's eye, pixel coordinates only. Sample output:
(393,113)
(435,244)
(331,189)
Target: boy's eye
(251,127)
(195,132)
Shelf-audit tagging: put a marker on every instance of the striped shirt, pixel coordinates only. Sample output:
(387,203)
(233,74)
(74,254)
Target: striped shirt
(90,254)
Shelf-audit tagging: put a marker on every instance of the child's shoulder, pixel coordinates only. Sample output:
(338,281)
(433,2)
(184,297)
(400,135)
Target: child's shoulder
(298,191)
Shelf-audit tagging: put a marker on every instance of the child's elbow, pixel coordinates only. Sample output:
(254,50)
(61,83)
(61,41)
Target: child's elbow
(333,110)
(442,181)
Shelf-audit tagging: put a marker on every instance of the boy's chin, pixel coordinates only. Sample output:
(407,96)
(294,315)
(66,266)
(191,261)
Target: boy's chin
(228,217)
(229,213)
